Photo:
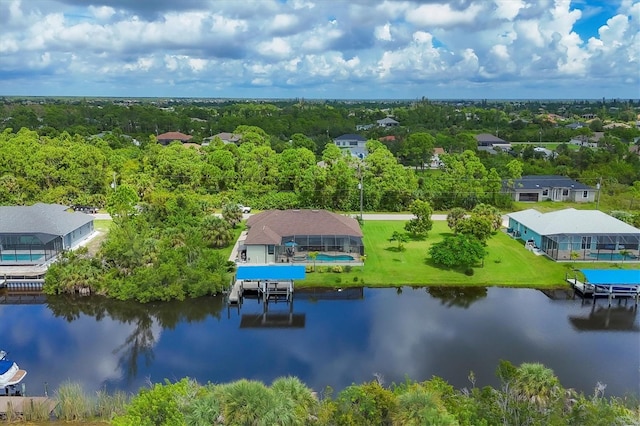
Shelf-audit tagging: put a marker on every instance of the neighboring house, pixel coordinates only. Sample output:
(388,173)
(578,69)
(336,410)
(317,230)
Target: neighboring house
(577,125)
(360,127)
(491,143)
(225,137)
(167,138)
(31,235)
(572,234)
(283,236)
(435,158)
(387,122)
(582,140)
(546,152)
(354,143)
(550,187)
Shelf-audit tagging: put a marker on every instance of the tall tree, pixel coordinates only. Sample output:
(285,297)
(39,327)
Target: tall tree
(422,223)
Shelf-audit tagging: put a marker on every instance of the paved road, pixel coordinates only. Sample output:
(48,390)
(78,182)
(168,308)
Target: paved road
(366,216)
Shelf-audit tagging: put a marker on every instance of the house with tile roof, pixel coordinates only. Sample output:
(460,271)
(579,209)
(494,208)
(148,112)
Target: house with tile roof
(225,137)
(387,122)
(31,235)
(572,234)
(167,138)
(549,187)
(285,236)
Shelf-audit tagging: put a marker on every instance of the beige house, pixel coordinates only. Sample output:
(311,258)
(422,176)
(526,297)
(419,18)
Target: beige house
(287,236)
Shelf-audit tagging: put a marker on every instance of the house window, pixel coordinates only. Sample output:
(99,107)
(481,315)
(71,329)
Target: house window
(586,243)
(545,192)
(271,249)
(585,194)
(353,143)
(565,192)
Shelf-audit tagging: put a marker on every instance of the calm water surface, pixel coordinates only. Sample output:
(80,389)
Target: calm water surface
(325,341)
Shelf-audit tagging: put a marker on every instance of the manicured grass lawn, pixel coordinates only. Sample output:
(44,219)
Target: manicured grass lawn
(507,264)
(102,225)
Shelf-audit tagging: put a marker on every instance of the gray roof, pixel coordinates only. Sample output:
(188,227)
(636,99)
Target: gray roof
(486,137)
(387,120)
(53,219)
(270,226)
(351,137)
(548,181)
(572,221)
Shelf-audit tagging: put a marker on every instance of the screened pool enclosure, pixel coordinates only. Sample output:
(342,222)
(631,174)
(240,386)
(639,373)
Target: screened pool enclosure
(602,247)
(28,248)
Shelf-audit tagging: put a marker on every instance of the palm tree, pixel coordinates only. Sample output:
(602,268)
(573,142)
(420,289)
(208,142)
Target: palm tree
(245,402)
(292,389)
(217,233)
(232,214)
(536,383)
(417,407)
(202,407)
(624,253)
(313,255)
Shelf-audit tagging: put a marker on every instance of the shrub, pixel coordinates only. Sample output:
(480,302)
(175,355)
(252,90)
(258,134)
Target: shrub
(338,280)
(337,269)
(355,279)
(348,268)
(73,404)
(469,272)
(309,268)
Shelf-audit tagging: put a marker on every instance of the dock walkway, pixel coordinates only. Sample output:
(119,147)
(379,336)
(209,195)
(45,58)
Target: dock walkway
(610,291)
(18,404)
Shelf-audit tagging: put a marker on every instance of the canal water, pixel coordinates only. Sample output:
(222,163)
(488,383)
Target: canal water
(326,338)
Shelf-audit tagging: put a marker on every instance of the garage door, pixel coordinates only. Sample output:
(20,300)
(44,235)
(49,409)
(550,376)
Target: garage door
(529,196)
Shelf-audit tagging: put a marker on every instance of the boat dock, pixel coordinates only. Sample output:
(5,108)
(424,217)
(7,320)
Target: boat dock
(266,290)
(22,284)
(612,284)
(18,405)
(266,283)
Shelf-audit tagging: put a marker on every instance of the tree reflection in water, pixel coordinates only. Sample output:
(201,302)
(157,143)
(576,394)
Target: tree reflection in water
(141,340)
(461,297)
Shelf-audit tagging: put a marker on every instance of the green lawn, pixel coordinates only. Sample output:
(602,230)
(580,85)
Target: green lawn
(102,225)
(507,264)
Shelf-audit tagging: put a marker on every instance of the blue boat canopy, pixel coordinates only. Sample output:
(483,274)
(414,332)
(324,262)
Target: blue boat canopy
(611,276)
(271,272)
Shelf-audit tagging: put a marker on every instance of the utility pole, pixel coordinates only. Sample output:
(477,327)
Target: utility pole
(113,184)
(361,188)
(598,185)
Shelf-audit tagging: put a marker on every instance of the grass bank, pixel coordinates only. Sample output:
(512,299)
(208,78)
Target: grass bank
(507,263)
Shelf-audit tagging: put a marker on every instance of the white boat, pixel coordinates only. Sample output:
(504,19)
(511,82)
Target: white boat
(10,373)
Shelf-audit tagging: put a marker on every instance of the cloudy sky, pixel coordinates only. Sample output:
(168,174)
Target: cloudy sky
(332,49)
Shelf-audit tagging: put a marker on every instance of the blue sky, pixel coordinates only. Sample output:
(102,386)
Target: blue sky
(328,49)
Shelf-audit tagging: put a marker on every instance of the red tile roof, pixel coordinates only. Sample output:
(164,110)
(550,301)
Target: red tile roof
(270,226)
(174,136)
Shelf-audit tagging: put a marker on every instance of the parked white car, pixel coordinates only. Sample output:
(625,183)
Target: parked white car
(244,209)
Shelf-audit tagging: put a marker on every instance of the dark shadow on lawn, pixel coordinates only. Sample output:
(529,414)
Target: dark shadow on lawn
(429,262)
(396,249)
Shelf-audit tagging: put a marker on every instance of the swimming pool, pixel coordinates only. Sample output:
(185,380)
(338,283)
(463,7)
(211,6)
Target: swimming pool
(20,257)
(611,256)
(339,258)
